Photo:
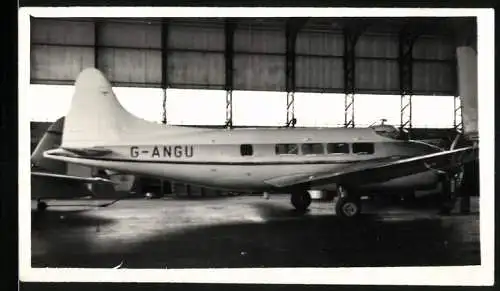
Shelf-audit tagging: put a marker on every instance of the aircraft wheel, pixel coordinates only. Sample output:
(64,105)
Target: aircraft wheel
(348,207)
(41,206)
(301,200)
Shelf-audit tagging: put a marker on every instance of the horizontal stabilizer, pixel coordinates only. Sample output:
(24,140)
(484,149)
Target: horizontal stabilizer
(77,152)
(90,152)
(94,180)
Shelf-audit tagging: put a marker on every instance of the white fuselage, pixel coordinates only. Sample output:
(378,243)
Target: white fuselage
(243,159)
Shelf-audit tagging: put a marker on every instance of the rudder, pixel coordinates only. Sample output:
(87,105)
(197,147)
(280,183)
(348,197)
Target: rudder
(95,117)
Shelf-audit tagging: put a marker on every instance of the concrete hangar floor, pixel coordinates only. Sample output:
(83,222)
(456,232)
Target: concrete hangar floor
(249,231)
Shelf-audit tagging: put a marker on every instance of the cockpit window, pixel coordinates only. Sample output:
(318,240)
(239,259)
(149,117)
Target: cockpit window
(390,131)
(363,148)
(337,148)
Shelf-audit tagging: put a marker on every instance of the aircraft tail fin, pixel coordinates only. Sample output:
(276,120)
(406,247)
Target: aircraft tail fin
(50,140)
(95,117)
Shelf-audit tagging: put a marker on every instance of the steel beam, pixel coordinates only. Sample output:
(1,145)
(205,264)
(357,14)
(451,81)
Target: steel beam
(457,117)
(290,109)
(229,27)
(405,114)
(407,38)
(293,27)
(164,66)
(457,101)
(229,109)
(349,110)
(96,44)
(290,36)
(351,36)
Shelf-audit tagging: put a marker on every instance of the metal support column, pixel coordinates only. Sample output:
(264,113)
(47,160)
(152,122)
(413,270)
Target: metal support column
(457,118)
(350,39)
(96,44)
(292,29)
(290,109)
(164,79)
(406,41)
(349,110)
(229,27)
(164,67)
(97,65)
(229,109)
(457,101)
(405,114)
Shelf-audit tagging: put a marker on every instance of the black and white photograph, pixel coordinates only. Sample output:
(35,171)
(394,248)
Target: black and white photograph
(238,145)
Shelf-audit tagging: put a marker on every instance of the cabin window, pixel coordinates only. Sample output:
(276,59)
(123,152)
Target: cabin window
(363,148)
(246,150)
(287,149)
(312,149)
(337,148)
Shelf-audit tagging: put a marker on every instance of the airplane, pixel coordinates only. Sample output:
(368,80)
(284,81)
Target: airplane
(100,132)
(48,177)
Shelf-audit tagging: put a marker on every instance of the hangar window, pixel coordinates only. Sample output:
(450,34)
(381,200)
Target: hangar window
(337,148)
(363,148)
(312,149)
(246,150)
(287,149)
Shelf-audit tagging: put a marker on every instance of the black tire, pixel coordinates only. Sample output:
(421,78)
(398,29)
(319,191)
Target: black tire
(348,207)
(301,200)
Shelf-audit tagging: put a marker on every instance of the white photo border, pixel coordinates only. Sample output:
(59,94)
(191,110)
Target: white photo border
(464,276)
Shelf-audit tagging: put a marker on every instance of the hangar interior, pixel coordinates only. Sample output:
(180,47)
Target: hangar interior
(287,72)
(402,57)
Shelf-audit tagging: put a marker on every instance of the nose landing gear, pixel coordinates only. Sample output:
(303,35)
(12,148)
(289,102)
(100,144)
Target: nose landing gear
(348,204)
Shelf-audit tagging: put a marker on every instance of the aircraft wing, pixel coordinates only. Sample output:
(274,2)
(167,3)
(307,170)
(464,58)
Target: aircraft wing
(73,178)
(381,170)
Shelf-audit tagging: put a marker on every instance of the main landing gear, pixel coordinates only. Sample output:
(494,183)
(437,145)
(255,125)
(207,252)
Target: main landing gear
(301,199)
(40,205)
(348,204)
